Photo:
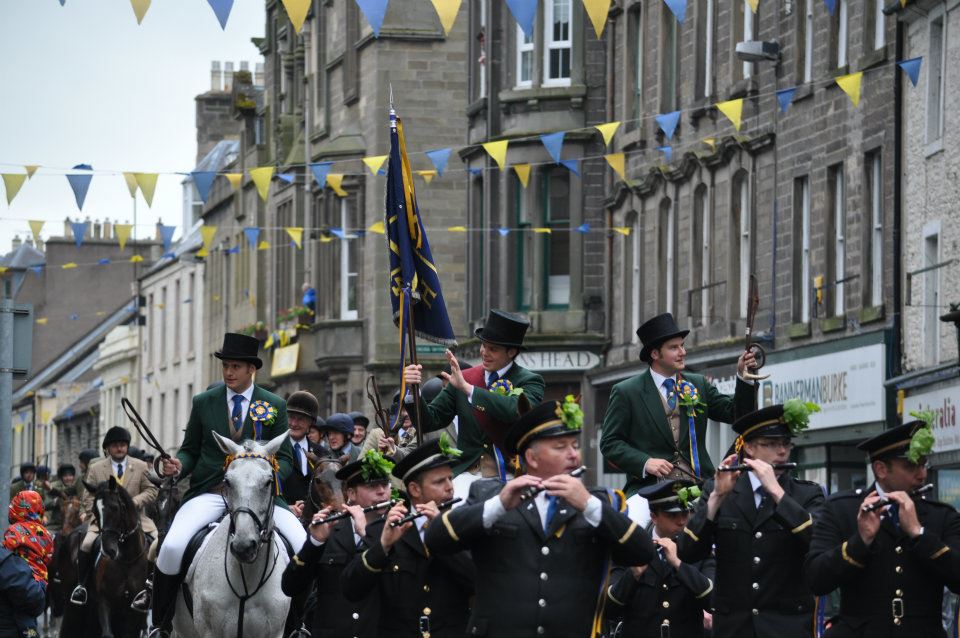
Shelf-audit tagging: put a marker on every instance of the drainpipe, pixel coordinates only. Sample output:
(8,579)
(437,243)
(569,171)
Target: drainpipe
(608,216)
(896,345)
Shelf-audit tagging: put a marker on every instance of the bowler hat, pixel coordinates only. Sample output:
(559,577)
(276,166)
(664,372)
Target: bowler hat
(657,330)
(238,347)
(358,418)
(116,434)
(28,466)
(503,329)
(302,402)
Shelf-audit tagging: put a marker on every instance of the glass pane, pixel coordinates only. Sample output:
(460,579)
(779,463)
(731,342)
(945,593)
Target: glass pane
(526,66)
(558,193)
(561,20)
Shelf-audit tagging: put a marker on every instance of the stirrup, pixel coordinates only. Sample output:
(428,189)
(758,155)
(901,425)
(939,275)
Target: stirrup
(158,632)
(143,600)
(303,632)
(79,595)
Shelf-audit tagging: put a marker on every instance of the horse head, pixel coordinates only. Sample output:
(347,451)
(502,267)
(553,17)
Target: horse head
(71,514)
(116,515)
(326,490)
(165,507)
(250,488)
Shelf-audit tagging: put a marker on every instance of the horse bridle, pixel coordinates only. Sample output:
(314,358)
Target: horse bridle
(122,537)
(319,506)
(265,527)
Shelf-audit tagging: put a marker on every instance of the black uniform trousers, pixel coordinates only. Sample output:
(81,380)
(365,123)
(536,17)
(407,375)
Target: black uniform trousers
(894,586)
(759,589)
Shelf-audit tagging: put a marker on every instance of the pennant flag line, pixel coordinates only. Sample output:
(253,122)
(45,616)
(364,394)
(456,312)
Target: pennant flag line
(439,158)
(851,85)
(296,234)
(221,8)
(252,233)
(524,12)
(320,173)
(261,178)
(553,142)
(623,230)
(79,232)
(235,179)
(597,10)
(131,181)
(785,98)
(457,229)
(140,9)
(503,231)
(335,180)
(733,109)
(617,162)
(123,234)
(583,228)
(498,151)
(166,236)
(607,131)
(297,12)
(447,12)
(208,233)
(523,173)
(912,68)
(573,166)
(12,182)
(427,175)
(148,184)
(203,181)
(31,169)
(289,178)
(668,123)
(374,163)
(374,11)
(36,225)
(679,9)
(80,183)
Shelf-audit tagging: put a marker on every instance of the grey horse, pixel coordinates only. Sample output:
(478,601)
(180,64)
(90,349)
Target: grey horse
(235,578)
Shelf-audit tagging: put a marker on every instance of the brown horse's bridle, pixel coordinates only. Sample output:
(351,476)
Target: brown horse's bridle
(123,536)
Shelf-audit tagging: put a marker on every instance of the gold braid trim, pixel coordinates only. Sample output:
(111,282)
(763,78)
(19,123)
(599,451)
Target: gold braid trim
(846,556)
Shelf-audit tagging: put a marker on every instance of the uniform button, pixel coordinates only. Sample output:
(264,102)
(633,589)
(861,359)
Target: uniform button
(666,604)
(859,491)
(756,585)
(543,576)
(756,612)
(426,611)
(899,593)
(396,568)
(664,586)
(475,631)
(542,602)
(426,588)
(896,621)
(756,560)
(898,569)
(545,550)
(541,631)
(898,549)
(356,616)
(758,535)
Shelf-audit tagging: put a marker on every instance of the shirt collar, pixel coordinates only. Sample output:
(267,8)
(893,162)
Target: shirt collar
(247,394)
(658,378)
(500,373)
(754,481)
(882,493)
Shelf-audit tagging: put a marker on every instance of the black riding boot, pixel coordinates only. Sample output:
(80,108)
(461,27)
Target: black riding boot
(144,598)
(165,590)
(84,565)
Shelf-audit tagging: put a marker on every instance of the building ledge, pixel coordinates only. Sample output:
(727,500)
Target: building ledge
(924,376)
(871,314)
(833,324)
(544,93)
(798,330)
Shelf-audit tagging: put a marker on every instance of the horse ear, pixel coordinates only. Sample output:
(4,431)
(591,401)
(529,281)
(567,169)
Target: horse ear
(112,483)
(154,479)
(90,488)
(270,449)
(226,445)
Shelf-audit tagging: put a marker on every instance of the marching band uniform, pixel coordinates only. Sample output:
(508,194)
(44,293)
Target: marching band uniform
(894,586)
(540,564)
(664,602)
(759,548)
(644,420)
(420,593)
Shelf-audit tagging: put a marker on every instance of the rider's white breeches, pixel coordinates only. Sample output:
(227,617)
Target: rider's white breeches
(204,509)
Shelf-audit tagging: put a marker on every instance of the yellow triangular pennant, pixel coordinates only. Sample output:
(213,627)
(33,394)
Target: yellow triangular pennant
(523,173)
(597,10)
(31,169)
(542,230)
(498,151)
(297,10)
(447,12)
(427,175)
(136,259)
(261,178)
(296,234)
(42,321)
(623,230)
(68,266)
(711,142)
(851,85)
(36,225)
(754,5)
(123,233)
(375,162)
(234,179)
(140,9)
(733,109)
(607,130)
(457,229)
(617,162)
(208,233)
(148,184)
(131,180)
(263,245)
(3,269)
(377,227)
(326,239)
(12,182)
(335,181)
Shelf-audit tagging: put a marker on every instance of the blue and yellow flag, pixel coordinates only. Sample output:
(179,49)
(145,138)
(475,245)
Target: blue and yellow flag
(414,280)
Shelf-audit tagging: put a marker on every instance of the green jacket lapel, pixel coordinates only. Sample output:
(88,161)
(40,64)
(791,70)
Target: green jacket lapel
(220,413)
(650,397)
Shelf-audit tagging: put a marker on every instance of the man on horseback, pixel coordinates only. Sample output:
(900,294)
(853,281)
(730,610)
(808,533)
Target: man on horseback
(128,472)
(240,410)
(61,490)
(302,410)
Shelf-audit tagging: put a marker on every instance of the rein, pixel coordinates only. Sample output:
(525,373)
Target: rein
(123,537)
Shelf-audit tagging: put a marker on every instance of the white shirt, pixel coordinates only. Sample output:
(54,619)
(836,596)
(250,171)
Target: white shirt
(245,405)
(303,444)
(486,379)
(755,484)
(114,464)
(658,380)
(493,510)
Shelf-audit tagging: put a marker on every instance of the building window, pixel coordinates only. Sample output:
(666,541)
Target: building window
(876,25)
(524,59)
(478,50)
(191,302)
(556,213)
(838,32)
(633,247)
(163,326)
(700,270)
(749,33)
(151,333)
(744,30)
(935,77)
(805,43)
(525,245)
(349,259)
(931,297)
(836,247)
(476,267)
(558,42)
(670,61)
(741,218)
(873,235)
(801,250)
(635,60)
(666,246)
(705,34)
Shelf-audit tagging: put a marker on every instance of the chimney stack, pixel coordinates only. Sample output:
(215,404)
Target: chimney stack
(258,74)
(15,243)
(107,229)
(228,76)
(67,228)
(216,83)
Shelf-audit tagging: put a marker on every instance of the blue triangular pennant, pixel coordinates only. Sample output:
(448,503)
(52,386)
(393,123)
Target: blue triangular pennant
(253,234)
(573,165)
(80,183)
(203,180)
(475,171)
(166,236)
(286,177)
(168,256)
(232,251)
(553,142)
(583,228)
(104,261)
(222,9)
(338,232)
(785,97)
(503,231)
(439,158)
(79,231)
(667,152)
(37,270)
(524,12)
(320,172)
(668,123)
(374,10)
(679,9)
(831,6)
(912,68)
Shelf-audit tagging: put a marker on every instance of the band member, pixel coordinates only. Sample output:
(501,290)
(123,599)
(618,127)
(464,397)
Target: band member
(238,409)
(761,522)
(666,598)
(331,546)
(419,593)
(541,561)
(132,474)
(646,431)
(890,563)
(302,410)
(483,397)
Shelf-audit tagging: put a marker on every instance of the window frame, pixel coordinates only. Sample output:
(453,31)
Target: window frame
(564,227)
(521,49)
(935,69)
(346,249)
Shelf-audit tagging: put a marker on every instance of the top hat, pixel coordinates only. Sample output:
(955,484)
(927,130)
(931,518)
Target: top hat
(503,329)
(657,330)
(547,420)
(302,402)
(116,434)
(238,347)
(426,457)
(893,443)
(662,496)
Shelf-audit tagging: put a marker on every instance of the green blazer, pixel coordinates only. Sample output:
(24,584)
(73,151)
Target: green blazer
(199,453)
(470,437)
(635,427)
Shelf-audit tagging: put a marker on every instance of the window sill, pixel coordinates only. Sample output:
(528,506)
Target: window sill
(543,93)
(833,324)
(804,91)
(477,106)
(798,330)
(837,72)
(871,314)
(933,148)
(872,58)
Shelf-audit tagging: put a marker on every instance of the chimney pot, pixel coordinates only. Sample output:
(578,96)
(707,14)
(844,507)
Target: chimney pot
(228,76)
(216,83)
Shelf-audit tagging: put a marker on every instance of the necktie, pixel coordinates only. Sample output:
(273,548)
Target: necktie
(298,454)
(237,414)
(894,513)
(762,493)
(670,385)
(119,470)
(551,511)
(494,377)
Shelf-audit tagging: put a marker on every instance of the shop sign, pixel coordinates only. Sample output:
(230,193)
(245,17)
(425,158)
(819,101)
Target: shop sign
(944,402)
(558,360)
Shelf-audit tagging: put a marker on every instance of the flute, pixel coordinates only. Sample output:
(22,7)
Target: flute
(412,516)
(741,468)
(531,491)
(341,515)
(883,502)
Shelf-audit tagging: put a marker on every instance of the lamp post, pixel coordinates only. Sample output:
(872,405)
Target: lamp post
(10,282)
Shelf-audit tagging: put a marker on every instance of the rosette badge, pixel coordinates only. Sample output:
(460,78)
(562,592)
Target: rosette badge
(262,413)
(505,388)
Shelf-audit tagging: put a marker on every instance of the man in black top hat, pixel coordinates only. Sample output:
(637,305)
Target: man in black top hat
(760,522)
(302,410)
(483,397)
(890,563)
(667,598)
(541,560)
(419,593)
(647,431)
(331,546)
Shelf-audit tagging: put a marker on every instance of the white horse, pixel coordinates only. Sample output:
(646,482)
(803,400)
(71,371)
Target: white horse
(235,577)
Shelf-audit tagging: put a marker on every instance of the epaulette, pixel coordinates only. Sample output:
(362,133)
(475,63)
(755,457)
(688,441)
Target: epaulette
(859,494)
(806,482)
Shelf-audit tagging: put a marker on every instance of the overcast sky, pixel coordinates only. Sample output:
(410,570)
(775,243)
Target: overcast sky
(84,84)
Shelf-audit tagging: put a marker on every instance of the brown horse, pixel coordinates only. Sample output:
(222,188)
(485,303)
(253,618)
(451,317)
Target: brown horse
(326,490)
(63,572)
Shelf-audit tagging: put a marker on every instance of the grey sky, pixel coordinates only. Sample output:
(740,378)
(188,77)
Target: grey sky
(83,83)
